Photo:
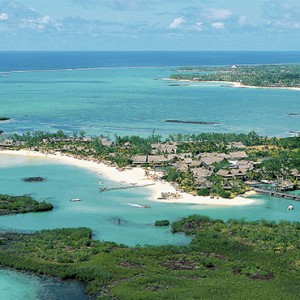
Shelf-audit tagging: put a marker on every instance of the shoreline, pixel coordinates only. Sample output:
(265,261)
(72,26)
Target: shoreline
(134,176)
(237,84)
(240,85)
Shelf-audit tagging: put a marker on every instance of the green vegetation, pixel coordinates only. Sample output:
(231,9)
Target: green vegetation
(184,179)
(259,260)
(21,204)
(211,138)
(162,223)
(258,75)
(278,160)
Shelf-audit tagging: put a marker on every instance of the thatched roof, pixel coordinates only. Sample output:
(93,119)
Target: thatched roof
(238,145)
(157,159)
(139,159)
(210,160)
(201,172)
(224,173)
(238,154)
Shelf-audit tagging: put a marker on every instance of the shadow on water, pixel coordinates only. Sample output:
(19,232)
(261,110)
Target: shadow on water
(19,285)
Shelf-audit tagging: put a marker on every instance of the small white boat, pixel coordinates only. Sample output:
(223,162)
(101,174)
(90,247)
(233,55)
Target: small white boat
(139,205)
(290,207)
(75,199)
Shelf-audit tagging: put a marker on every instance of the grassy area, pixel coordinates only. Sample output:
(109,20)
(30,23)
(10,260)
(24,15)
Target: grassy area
(21,204)
(225,260)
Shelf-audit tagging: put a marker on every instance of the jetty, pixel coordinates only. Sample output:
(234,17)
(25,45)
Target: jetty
(276,194)
(124,187)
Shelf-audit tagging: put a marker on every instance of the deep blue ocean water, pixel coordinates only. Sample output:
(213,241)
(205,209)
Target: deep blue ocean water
(17,61)
(123,92)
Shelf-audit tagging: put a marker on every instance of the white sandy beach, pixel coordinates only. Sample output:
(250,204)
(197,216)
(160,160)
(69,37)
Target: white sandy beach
(132,176)
(237,84)
(240,85)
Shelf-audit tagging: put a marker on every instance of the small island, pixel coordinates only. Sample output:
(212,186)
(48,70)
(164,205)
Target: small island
(272,76)
(21,204)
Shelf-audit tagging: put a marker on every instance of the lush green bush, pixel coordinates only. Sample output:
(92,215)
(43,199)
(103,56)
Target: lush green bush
(21,204)
(162,223)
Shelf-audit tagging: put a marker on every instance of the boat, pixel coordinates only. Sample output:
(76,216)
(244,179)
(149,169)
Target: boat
(139,205)
(75,199)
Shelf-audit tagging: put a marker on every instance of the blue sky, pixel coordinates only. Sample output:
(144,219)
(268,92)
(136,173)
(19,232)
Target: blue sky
(150,25)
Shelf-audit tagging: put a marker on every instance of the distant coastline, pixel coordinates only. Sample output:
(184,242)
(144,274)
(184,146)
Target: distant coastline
(279,76)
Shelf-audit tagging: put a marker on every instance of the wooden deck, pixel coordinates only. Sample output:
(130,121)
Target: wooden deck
(276,194)
(123,187)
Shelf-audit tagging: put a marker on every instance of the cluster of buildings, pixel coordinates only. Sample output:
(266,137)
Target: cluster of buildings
(232,166)
(10,143)
(202,165)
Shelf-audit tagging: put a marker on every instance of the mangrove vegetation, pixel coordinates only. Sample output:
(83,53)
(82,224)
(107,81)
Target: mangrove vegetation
(225,260)
(21,204)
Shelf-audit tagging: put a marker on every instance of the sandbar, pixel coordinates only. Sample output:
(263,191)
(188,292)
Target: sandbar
(135,176)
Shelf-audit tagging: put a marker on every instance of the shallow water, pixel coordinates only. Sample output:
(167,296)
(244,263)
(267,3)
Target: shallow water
(135,101)
(99,211)
(109,214)
(22,286)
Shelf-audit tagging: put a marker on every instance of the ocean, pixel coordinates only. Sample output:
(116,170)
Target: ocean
(124,93)
(26,61)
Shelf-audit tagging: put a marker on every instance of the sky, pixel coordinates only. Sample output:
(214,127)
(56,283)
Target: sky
(194,25)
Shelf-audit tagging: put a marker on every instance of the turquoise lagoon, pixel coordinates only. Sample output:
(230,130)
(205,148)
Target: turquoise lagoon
(101,211)
(137,101)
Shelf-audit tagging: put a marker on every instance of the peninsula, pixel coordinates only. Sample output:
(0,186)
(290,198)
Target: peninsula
(267,76)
